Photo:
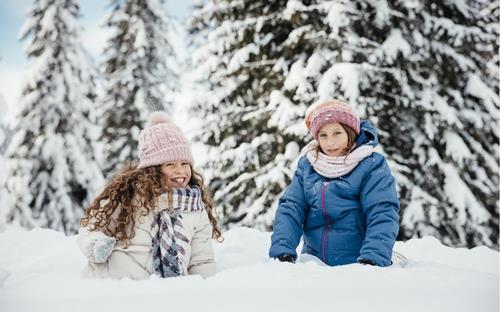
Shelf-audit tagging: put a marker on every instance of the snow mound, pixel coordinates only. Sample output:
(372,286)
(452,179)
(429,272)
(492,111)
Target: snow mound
(39,271)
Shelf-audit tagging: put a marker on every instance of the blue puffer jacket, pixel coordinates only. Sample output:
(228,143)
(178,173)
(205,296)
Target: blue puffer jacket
(344,219)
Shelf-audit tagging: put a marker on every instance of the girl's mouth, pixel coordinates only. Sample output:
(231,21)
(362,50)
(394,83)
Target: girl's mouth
(178,180)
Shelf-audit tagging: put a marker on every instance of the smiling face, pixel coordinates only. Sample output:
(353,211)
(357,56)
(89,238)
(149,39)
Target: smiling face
(176,174)
(333,139)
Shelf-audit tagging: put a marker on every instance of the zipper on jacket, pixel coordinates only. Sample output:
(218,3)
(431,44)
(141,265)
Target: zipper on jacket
(323,241)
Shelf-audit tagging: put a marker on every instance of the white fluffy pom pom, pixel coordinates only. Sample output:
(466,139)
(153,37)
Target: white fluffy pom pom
(157,118)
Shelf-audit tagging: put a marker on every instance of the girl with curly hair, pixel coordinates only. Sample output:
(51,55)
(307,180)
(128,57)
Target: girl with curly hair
(154,217)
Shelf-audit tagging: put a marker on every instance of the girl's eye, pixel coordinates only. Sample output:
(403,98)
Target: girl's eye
(336,133)
(322,135)
(169,164)
(185,164)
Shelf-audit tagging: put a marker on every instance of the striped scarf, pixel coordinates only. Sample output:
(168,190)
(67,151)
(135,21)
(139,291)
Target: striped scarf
(334,167)
(167,230)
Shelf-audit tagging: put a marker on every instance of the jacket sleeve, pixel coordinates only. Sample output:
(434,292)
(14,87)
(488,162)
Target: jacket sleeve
(202,253)
(380,204)
(290,217)
(86,241)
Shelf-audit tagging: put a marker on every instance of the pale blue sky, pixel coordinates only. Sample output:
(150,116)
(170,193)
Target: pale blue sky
(13,14)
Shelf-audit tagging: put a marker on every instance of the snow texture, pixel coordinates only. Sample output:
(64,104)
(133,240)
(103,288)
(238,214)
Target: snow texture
(39,271)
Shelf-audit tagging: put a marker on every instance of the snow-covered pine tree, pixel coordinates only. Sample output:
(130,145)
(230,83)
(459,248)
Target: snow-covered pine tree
(140,75)
(4,139)
(414,68)
(246,49)
(3,126)
(50,163)
(420,71)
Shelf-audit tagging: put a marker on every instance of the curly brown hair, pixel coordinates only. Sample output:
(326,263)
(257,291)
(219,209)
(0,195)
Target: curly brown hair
(136,191)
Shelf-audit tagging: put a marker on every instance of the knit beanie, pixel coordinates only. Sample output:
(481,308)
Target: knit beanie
(162,141)
(321,113)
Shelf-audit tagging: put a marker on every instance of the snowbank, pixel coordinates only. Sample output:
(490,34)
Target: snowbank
(39,271)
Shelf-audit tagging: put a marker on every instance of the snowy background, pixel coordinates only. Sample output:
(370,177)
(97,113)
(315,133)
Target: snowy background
(39,271)
(237,76)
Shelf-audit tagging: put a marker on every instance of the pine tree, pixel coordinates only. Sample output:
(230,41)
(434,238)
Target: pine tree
(50,163)
(250,113)
(3,127)
(139,72)
(423,72)
(4,139)
(4,132)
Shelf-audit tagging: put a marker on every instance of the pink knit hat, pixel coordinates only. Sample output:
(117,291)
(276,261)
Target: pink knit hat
(329,111)
(162,141)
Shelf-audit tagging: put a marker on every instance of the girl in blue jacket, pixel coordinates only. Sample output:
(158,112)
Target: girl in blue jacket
(342,198)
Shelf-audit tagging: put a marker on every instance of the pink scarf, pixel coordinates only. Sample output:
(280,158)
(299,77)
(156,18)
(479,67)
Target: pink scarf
(334,167)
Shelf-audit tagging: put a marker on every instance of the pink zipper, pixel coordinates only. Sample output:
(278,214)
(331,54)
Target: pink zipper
(323,243)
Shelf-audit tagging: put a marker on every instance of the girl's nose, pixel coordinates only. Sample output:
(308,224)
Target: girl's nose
(179,169)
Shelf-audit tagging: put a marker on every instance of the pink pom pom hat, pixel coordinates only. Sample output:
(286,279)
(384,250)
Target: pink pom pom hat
(321,113)
(162,141)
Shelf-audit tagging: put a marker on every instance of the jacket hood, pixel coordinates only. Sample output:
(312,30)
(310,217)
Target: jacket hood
(368,134)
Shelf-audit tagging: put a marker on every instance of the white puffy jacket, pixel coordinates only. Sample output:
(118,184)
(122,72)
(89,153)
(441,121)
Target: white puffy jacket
(136,260)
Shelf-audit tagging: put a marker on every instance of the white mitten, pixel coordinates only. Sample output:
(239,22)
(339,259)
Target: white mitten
(102,248)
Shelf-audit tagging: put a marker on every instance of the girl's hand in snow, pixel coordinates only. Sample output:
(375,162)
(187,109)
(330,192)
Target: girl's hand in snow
(366,261)
(103,248)
(286,258)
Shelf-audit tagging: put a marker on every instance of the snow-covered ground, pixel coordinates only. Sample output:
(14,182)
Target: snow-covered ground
(39,271)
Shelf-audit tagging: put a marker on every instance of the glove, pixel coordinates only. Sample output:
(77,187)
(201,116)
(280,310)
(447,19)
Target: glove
(286,258)
(366,261)
(102,248)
